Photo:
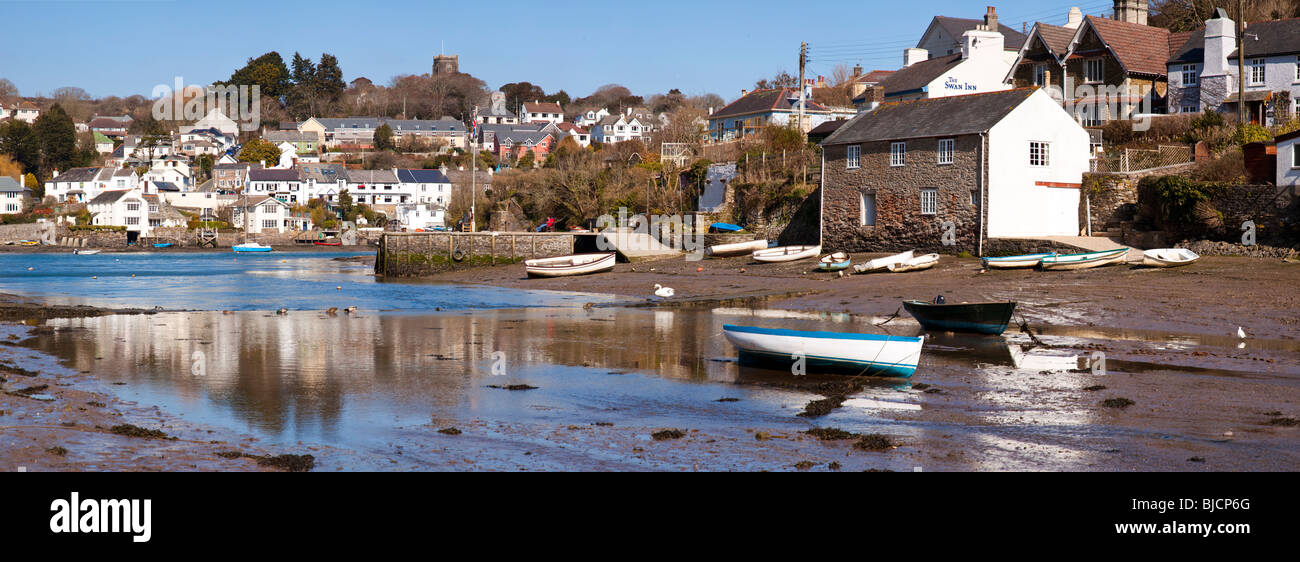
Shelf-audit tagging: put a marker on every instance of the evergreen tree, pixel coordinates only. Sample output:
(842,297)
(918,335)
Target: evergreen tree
(18,141)
(384,137)
(57,137)
(267,71)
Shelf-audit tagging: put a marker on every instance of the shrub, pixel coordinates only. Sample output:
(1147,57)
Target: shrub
(1250,132)
(1208,120)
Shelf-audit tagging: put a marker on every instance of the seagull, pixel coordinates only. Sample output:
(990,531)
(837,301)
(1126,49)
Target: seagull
(1241,333)
(661,291)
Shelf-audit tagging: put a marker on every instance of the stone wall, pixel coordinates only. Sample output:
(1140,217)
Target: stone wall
(1112,198)
(1274,210)
(422,253)
(30,231)
(899,223)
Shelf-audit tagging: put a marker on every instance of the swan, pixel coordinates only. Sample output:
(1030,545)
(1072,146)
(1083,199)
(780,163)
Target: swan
(1241,333)
(661,291)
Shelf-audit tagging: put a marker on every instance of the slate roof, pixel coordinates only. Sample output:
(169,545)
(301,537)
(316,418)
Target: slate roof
(321,173)
(422,176)
(1187,47)
(275,174)
(920,74)
(932,117)
(109,197)
(828,127)
(109,123)
(522,137)
(8,184)
(331,123)
(1264,39)
(1141,49)
(77,175)
(371,176)
(874,77)
(1012,39)
(445,124)
(764,101)
(290,136)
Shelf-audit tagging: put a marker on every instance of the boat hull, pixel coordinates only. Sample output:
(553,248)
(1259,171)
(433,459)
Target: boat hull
(242,248)
(838,261)
(975,318)
(737,249)
(882,264)
(857,354)
(919,263)
(786,254)
(327,243)
(1070,262)
(1015,262)
(1169,257)
(568,266)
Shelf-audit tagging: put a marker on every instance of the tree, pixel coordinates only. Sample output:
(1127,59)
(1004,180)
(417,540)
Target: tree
(57,137)
(258,150)
(384,138)
(1189,15)
(10,167)
(301,101)
(527,160)
(782,79)
(146,125)
(18,141)
(267,71)
(346,205)
(328,83)
(521,92)
(7,89)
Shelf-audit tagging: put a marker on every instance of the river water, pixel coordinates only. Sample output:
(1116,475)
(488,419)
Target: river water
(375,385)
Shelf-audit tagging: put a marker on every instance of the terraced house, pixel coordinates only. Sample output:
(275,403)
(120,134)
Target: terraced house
(970,169)
(761,108)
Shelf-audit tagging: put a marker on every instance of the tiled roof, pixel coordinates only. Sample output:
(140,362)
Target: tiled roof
(571,128)
(764,101)
(542,107)
(1012,39)
(1141,49)
(1056,38)
(874,77)
(931,117)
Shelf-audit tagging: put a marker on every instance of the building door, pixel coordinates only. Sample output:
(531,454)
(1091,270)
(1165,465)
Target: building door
(867,209)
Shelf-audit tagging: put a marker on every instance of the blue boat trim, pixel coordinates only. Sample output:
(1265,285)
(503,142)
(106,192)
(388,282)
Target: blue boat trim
(1019,258)
(821,335)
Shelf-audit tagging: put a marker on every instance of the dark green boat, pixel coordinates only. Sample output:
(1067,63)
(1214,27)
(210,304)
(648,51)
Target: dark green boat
(977,317)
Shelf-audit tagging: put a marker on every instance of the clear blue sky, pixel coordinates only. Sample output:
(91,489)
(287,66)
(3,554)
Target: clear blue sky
(126,47)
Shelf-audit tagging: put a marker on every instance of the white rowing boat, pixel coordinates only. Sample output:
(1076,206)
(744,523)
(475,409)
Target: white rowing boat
(564,266)
(835,262)
(1015,262)
(872,354)
(1088,260)
(917,263)
(736,249)
(85,252)
(786,253)
(881,264)
(1169,257)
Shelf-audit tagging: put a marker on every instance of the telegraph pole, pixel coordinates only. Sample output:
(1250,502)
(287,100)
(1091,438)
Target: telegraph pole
(803,59)
(1241,64)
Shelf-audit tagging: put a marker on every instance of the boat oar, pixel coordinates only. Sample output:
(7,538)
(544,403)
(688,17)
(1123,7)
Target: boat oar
(1024,327)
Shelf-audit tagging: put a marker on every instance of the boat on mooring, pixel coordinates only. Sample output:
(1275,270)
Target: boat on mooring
(786,253)
(80,252)
(736,249)
(837,352)
(882,264)
(1169,257)
(918,263)
(566,266)
(162,245)
(1086,260)
(837,261)
(1015,262)
(973,317)
(250,247)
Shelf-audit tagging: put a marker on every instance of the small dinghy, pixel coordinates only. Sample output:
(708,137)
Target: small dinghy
(917,263)
(786,253)
(323,243)
(736,249)
(85,252)
(837,261)
(564,266)
(724,227)
(1169,257)
(162,245)
(1088,260)
(882,264)
(857,354)
(1015,262)
(250,247)
(975,317)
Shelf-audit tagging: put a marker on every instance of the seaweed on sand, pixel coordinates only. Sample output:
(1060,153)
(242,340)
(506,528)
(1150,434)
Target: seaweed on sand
(668,434)
(874,442)
(830,433)
(129,430)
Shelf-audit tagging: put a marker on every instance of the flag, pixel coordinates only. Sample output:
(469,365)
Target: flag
(473,123)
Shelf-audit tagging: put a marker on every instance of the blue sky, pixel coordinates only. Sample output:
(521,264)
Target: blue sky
(124,47)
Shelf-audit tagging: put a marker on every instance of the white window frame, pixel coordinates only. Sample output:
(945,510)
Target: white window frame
(947,151)
(1190,75)
(1094,70)
(897,154)
(1040,154)
(929,201)
(853,157)
(1258,71)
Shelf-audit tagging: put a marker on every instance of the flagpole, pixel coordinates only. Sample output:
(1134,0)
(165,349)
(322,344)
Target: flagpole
(473,173)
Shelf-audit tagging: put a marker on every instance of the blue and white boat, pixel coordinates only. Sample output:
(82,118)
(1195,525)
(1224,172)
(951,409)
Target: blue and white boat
(850,353)
(163,245)
(250,247)
(1015,262)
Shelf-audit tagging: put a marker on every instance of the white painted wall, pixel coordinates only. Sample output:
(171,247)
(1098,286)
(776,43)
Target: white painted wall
(1017,207)
(1288,173)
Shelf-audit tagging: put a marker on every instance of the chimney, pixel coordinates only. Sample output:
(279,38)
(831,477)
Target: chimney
(56,174)
(857,70)
(1074,19)
(991,20)
(1220,41)
(1132,11)
(710,110)
(978,43)
(914,55)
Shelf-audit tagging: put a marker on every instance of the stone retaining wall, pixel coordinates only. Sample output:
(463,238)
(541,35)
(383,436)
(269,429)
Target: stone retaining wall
(404,254)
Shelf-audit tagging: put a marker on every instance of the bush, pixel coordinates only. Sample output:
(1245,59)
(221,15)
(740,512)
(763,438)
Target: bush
(1208,120)
(1250,132)
(1229,167)
(1178,197)
(96,228)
